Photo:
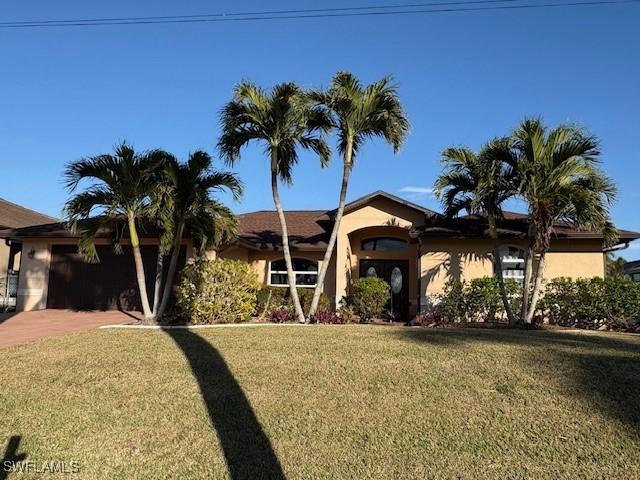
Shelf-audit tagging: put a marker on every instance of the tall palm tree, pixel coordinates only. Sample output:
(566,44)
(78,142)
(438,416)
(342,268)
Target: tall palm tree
(560,179)
(120,187)
(480,184)
(359,112)
(190,208)
(282,120)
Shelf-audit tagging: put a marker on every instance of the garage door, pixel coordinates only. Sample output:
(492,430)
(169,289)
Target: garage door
(108,285)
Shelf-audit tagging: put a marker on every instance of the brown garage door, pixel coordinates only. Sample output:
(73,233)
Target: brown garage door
(108,285)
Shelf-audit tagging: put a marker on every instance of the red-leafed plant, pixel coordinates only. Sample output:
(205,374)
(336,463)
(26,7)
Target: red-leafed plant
(327,316)
(281,315)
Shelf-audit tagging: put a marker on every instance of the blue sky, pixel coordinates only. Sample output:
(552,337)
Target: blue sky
(464,78)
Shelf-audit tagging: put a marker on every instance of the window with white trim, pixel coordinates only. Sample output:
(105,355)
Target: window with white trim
(512,259)
(306,272)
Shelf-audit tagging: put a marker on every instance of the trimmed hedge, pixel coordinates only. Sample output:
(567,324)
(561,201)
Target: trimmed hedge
(612,303)
(217,291)
(476,300)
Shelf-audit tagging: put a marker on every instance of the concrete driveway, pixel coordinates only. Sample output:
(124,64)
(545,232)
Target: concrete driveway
(26,327)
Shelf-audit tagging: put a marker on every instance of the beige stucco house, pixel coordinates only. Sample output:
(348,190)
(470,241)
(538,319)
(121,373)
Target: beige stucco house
(415,249)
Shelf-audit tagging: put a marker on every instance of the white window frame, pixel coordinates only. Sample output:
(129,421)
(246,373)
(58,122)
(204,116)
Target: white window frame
(506,260)
(295,272)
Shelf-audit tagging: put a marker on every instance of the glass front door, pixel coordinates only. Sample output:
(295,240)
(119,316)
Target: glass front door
(396,274)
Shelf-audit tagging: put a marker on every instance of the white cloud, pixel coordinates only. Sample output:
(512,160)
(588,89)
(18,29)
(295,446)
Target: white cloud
(418,192)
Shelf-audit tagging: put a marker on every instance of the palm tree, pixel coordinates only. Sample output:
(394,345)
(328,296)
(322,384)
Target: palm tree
(613,266)
(282,121)
(560,179)
(121,189)
(480,184)
(359,112)
(190,208)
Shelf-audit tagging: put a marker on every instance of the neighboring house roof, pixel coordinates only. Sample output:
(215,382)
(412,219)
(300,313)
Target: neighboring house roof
(59,230)
(16,216)
(261,230)
(513,225)
(632,267)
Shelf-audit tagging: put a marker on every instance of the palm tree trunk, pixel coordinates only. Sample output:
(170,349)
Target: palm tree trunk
(158,282)
(285,243)
(171,273)
(536,289)
(137,258)
(346,171)
(497,267)
(528,268)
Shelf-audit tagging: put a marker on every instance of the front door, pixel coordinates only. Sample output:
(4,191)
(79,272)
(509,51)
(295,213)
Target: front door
(396,274)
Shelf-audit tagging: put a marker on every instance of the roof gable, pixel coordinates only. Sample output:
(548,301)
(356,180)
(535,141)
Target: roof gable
(367,199)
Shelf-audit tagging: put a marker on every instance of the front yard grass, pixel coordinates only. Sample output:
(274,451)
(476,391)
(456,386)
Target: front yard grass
(326,402)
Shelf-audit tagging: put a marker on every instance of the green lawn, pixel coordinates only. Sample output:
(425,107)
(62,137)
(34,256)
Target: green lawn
(326,402)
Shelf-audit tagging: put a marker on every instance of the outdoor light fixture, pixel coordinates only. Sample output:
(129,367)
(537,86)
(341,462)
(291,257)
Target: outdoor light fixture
(31,253)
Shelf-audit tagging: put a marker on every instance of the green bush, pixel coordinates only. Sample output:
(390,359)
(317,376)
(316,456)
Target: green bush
(269,298)
(477,300)
(591,303)
(347,312)
(217,291)
(369,296)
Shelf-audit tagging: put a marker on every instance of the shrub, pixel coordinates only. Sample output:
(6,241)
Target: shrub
(591,303)
(270,298)
(347,313)
(451,303)
(281,315)
(327,316)
(431,315)
(477,300)
(369,296)
(217,291)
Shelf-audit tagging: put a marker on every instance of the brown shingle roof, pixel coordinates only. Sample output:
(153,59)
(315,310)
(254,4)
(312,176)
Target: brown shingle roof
(261,230)
(16,216)
(513,225)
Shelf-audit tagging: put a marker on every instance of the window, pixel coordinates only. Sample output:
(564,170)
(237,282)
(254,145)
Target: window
(512,263)
(388,244)
(306,272)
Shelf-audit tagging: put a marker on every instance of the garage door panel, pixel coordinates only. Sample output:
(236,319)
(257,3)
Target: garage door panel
(109,284)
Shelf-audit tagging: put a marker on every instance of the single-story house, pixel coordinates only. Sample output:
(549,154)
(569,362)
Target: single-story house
(14,216)
(632,270)
(414,248)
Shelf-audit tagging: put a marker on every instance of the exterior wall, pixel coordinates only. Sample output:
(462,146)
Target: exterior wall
(444,259)
(468,259)
(4,263)
(582,259)
(34,275)
(380,212)
(260,259)
(34,269)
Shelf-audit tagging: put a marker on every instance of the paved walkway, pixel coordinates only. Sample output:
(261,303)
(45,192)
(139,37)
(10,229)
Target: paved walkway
(26,327)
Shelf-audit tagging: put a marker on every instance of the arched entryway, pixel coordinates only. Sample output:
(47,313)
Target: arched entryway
(389,253)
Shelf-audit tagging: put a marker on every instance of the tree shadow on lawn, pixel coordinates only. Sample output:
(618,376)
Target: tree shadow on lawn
(605,370)
(247,449)
(11,456)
